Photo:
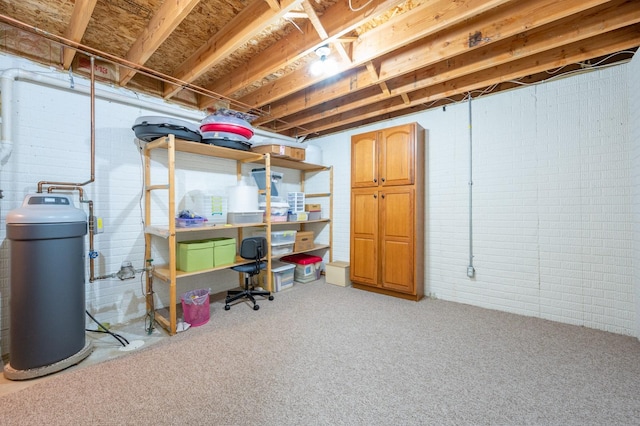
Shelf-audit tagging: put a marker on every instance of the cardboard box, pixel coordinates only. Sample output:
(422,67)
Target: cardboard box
(283,151)
(304,241)
(312,207)
(337,273)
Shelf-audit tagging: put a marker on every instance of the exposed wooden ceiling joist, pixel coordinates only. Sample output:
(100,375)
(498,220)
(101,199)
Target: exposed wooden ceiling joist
(570,54)
(578,27)
(394,56)
(337,21)
(164,22)
(498,25)
(247,24)
(82,11)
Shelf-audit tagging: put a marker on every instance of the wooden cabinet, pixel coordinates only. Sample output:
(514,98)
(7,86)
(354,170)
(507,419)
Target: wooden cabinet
(387,211)
(383,158)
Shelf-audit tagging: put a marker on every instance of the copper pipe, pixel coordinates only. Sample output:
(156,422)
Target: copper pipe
(68,186)
(92,224)
(93,139)
(90,51)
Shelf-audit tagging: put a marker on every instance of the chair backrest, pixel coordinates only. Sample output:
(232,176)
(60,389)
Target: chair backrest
(253,248)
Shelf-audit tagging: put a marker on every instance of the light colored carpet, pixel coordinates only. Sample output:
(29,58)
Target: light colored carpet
(326,355)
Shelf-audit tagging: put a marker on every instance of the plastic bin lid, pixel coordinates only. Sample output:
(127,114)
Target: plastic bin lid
(46,208)
(301,259)
(153,120)
(281,266)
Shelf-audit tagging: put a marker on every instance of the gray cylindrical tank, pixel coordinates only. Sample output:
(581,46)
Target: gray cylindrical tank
(47,304)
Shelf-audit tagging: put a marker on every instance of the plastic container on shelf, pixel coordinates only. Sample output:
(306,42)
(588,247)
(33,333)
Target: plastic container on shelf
(236,218)
(212,206)
(308,267)
(148,128)
(182,222)
(296,201)
(278,237)
(259,177)
(282,275)
(298,217)
(278,211)
(281,248)
(314,215)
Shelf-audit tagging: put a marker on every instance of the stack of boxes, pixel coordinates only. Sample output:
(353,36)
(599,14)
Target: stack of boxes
(307,267)
(314,211)
(206,254)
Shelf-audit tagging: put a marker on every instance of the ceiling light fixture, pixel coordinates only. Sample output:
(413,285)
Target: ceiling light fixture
(324,64)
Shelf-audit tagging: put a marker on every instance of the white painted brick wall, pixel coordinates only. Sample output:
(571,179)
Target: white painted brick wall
(634,120)
(552,200)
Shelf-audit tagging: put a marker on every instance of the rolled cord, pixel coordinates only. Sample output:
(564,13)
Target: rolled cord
(119,338)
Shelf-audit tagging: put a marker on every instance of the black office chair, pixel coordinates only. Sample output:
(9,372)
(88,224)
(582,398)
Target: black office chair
(254,248)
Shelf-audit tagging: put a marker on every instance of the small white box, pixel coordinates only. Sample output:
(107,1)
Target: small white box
(337,273)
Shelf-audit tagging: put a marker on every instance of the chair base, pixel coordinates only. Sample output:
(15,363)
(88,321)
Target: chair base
(248,293)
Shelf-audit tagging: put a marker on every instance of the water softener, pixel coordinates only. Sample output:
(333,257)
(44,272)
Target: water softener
(47,301)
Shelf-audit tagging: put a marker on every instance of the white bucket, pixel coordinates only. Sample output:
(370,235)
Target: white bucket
(242,198)
(313,154)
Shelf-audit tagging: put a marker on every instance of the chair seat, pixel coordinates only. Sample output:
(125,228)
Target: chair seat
(249,268)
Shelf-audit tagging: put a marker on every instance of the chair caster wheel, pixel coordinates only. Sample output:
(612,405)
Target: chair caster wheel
(256,307)
(270,297)
(227,307)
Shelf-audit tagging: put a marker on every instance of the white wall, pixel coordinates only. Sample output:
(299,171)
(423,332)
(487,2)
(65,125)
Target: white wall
(552,200)
(553,207)
(634,120)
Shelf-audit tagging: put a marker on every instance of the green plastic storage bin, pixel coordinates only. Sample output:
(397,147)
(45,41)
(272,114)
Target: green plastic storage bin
(195,255)
(224,251)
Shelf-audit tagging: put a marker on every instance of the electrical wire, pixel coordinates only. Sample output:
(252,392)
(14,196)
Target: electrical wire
(489,89)
(118,337)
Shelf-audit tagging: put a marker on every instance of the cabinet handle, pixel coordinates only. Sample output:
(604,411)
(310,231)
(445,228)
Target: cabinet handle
(382,195)
(382,180)
(375,180)
(375,195)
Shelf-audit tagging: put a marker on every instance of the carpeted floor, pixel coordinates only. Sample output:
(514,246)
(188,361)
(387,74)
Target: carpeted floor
(326,355)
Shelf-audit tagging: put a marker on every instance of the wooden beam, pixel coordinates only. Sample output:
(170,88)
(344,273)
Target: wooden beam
(428,19)
(338,20)
(82,11)
(274,5)
(618,40)
(322,33)
(588,24)
(376,76)
(163,23)
(501,24)
(247,24)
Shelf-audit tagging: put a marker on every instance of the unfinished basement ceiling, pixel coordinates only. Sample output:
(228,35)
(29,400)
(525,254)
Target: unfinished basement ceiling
(391,57)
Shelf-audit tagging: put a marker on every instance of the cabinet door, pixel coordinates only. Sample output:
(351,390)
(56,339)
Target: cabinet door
(397,233)
(364,160)
(364,236)
(397,155)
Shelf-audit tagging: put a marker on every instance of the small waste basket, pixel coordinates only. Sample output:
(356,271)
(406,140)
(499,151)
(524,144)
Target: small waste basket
(195,307)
